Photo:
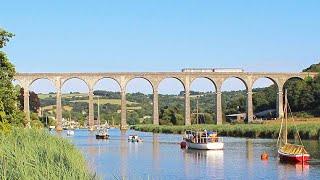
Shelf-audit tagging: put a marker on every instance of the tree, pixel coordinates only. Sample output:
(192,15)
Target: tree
(34,101)
(8,95)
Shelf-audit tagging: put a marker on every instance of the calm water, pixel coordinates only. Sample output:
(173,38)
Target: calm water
(160,157)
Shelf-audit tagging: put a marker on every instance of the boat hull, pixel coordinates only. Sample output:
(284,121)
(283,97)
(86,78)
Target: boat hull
(206,146)
(293,158)
(102,136)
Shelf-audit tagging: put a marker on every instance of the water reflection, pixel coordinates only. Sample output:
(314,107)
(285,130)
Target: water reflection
(160,157)
(300,170)
(123,154)
(210,157)
(156,152)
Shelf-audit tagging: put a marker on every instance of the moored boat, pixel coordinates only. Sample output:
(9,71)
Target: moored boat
(70,132)
(203,140)
(102,133)
(134,138)
(292,153)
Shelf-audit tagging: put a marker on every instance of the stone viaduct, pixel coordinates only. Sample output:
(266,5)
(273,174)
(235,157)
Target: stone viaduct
(154,78)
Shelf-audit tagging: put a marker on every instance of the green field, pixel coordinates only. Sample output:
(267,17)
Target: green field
(106,101)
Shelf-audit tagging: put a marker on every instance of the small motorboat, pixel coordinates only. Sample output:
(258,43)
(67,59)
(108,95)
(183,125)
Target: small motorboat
(203,140)
(70,133)
(51,128)
(291,153)
(102,133)
(134,138)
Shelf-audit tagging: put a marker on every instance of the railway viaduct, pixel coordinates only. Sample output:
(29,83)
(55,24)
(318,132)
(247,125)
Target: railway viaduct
(154,78)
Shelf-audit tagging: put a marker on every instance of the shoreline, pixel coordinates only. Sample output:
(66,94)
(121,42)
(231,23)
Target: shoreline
(265,131)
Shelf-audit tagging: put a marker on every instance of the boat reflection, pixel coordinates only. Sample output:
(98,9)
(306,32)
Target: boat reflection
(210,157)
(300,169)
(209,162)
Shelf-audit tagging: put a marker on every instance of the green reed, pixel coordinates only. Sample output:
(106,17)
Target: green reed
(35,154)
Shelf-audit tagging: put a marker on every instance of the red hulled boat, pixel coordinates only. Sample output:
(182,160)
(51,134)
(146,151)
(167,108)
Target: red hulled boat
(287,152)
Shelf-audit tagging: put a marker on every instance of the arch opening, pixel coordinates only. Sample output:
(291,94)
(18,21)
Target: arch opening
(171,102)
(107,103)
(265,92)
(42,102)
(234,100)
(203,101)
(75,103)
(301,98)
(139,96)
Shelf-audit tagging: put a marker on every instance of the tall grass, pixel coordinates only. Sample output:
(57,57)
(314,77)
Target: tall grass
(307,131)
(35,154)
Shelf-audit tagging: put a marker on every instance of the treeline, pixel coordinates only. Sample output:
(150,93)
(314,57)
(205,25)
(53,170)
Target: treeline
(303,95)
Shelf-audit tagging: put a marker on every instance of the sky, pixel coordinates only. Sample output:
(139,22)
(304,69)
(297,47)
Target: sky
(166,35)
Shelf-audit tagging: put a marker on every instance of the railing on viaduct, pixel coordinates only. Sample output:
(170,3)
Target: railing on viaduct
(154,78)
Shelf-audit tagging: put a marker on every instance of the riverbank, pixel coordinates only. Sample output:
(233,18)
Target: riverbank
(35,154)
(307,129)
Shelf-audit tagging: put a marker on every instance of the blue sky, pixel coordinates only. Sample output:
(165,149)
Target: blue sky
(166,35)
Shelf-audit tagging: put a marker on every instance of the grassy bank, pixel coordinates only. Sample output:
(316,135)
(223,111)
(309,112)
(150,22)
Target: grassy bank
(35,154)
(268,130)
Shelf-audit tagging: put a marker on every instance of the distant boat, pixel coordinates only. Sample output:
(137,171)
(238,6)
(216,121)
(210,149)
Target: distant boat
(293,153)
(102,131)
(70,132)
(203,140)
(134,138)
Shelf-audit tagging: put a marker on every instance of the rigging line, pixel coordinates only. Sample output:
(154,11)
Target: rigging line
(280,133)
(295,125)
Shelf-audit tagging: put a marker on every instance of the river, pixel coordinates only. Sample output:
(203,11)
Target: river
(160,157)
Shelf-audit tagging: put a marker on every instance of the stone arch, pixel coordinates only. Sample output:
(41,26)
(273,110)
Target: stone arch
(66,112)
(46,92)
(204,77)
(236,77)
(144,89)
(42,78)
(17,82)
(140,77)
(179,104)
(207,113)
(290,78)
(106,77)
(107,112)
(75,77)
(294,86)
(173,77)
(267,107)
(238,106)
(275,82)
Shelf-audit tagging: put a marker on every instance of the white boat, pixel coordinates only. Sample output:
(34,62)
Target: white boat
(102,133)
(134,138)
(70,133)
(203,140)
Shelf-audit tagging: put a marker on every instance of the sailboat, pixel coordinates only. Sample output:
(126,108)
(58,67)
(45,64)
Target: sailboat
(70,131)
(102,131)
(293,153)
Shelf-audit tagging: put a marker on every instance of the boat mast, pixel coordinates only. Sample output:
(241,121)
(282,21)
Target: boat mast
(285,133)
(197,109)
(98,111)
